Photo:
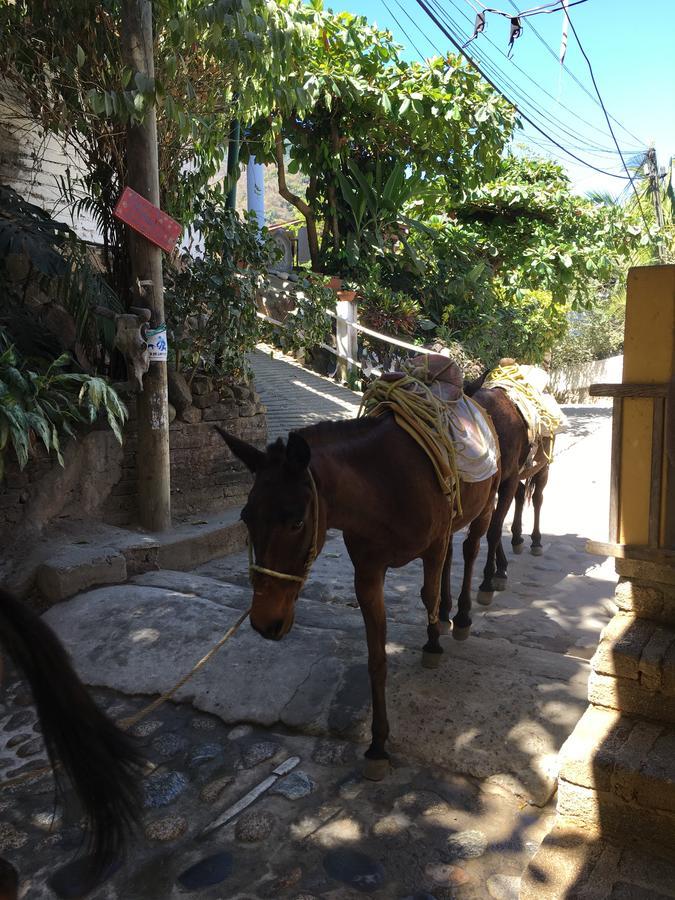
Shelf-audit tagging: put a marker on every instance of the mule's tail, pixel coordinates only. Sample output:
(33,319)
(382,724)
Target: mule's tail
(101,761)
(472,387)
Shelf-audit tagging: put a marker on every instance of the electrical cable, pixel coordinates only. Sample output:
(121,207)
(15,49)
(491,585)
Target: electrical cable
(609,124)
(572,75)
(404,32)
(425,7)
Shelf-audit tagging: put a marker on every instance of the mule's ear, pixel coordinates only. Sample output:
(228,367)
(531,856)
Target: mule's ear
(247,453)
(297,452)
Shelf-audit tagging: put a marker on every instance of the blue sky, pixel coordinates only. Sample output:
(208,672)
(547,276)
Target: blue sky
(629,43)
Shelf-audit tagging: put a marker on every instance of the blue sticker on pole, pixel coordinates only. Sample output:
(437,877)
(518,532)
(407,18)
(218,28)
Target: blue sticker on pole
(158,345)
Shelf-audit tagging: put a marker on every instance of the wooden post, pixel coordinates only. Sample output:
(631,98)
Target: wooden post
(346,337)
(152,458)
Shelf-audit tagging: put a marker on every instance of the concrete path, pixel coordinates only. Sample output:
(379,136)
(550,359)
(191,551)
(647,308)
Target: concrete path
(296,397)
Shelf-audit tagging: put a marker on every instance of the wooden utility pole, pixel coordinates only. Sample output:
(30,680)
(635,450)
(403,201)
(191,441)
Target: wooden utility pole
(655,189)
(152,457)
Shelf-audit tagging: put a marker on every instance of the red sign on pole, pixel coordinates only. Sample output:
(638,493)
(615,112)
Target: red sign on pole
(146,218)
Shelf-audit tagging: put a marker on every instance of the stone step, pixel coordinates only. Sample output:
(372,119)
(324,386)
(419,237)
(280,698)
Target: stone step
(118,554)
(571,864)
(617,780)
(634,668)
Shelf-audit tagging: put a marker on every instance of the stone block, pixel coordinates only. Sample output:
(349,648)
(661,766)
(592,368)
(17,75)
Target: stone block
(172,413)
(203,401)
(191,415)
(646,571)
(180,394)
(201,384)
(75,569)
(646,600)
(621,646)
(657,667)
(587,757)
(221,413)
(562,865)
(631,697)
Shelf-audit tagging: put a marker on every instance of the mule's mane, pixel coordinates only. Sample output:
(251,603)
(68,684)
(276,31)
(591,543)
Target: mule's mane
(331,430)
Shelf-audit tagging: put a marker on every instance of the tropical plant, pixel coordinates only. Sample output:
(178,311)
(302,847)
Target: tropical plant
(45,267)
(210,297)
(387,311)
(362,105)
(47,404)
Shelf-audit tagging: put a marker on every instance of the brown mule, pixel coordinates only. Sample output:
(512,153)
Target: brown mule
(369,479)
(514,446)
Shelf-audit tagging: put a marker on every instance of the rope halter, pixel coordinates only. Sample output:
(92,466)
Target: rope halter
(255,569)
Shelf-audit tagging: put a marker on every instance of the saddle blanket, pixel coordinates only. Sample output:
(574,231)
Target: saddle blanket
(473,435)
(526,388)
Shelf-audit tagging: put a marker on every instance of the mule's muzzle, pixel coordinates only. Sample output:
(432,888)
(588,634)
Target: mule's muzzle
(275,630)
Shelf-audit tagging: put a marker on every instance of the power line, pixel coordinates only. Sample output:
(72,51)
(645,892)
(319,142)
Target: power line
(527,75)
(572,75)
(425,7)
(393,15)
(516,90)
(609,124)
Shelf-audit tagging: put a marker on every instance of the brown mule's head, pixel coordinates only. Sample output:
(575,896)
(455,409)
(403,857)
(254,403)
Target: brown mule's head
(280,515)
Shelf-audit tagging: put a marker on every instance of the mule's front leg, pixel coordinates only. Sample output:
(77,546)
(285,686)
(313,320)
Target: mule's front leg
(369,584)
(540,480)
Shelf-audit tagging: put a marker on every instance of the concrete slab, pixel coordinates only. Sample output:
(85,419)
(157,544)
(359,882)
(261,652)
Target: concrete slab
(493,709)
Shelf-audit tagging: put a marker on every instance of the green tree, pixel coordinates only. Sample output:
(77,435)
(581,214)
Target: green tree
(360,108)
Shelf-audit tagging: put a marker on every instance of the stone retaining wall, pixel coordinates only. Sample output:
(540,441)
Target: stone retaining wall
(570,384)
(98,480)
(616,791)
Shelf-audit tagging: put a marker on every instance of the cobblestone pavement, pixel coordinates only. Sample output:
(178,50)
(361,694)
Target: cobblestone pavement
(432,829)
(295,397)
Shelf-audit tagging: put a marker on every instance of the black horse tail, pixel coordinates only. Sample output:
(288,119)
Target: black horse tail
(101,761)
(472,387)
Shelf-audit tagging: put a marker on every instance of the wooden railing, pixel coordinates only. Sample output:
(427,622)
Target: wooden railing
(662,464)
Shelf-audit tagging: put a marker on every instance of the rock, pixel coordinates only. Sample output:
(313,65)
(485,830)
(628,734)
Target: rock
(294,786)
(191,415)
(215,788)
(146,727)
(31,748)
(350,787)
(10,837)
(239,731)
(201,384)
(459,876)
(205,400)
(172,412)
(504,887)
(17,739)
(73,881)
(19,720)
(162,788)
(355,869)
(168,828)
(253,826)
(242,392)
(207,872)
(258,752)
(467,845)
(169,744)
(272,889)
(47,821)
(204,753)
(180,394)
(201,723)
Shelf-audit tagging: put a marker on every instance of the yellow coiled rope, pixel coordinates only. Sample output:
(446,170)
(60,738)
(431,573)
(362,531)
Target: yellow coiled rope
(425,418)
(511,377)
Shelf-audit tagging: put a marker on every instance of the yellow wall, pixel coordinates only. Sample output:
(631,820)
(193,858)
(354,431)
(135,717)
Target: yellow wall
(649,349)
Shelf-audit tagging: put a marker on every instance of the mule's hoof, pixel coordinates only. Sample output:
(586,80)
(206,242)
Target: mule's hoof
(485,598)
(443,627)
(376,769)
(517,548)
(537,551)
(499,582)
(431,660)
(461,634)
